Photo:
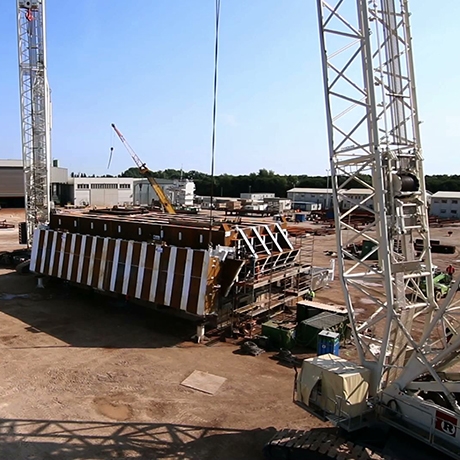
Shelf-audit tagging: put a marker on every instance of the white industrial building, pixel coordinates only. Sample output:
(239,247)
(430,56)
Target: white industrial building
(445,205)
(256,196)
(303,198)
(91,191)
(102,191)
(180,193)
(353,196)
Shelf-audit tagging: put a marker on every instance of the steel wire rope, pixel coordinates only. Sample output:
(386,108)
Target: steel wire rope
(214,117)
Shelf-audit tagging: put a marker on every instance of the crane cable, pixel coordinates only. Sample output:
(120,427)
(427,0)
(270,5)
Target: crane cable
(111,149)
(214,115)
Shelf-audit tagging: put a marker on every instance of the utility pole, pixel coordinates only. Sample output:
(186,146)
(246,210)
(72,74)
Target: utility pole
(35,113)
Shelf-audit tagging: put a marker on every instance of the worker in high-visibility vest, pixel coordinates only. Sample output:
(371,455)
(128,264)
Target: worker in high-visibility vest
(310,294)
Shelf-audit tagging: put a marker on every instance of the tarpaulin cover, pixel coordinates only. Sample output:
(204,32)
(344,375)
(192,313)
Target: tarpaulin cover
(340,379)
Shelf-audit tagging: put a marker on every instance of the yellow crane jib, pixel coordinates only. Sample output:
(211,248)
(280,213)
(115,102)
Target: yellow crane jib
(164,201)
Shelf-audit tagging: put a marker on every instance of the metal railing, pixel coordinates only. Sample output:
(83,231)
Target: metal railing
(394,414)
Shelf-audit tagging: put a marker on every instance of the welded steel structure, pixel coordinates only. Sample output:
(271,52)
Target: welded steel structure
(373,126)
(35,112)
(167,260)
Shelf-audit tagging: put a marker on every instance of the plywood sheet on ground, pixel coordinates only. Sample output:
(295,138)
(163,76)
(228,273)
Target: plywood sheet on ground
(202,381)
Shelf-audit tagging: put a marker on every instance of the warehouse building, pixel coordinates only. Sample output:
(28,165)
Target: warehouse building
(256,196)
(445,205)
(304,198)
(179,192)
(102,191)
(12,184)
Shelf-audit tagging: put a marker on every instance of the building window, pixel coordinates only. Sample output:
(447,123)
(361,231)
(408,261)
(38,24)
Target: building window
(125,185)
(454,211)
(454,201)
(443,201)
(104,186)
(443,211)
(82,186)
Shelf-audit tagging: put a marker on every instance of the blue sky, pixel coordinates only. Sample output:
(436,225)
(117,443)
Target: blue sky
(148,67)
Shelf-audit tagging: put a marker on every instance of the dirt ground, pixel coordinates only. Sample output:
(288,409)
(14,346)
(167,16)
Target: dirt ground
(86,377)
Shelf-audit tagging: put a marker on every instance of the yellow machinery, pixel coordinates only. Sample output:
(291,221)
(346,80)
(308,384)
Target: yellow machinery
(165,203)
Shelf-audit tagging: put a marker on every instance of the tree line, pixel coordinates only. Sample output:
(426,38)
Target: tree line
(268,181)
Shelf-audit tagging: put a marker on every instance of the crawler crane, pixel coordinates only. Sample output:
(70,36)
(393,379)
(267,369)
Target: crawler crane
(164,201)
(408,341)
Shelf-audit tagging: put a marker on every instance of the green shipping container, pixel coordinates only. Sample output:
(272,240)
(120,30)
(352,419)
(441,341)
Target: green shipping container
(279,336)
(308,329)
(305,312)
(368,246)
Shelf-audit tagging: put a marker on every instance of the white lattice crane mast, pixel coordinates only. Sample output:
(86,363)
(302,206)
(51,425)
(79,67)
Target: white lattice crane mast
(35,112)
(407,338)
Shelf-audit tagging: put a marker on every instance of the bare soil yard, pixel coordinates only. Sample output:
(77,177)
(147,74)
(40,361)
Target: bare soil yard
(87,377)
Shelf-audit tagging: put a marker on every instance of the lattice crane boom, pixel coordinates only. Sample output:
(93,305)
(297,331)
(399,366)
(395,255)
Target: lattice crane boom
(35,112)
(164,200)
(407,336)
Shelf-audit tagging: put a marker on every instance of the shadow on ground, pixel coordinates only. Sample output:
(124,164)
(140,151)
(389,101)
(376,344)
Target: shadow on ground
(72,440)
(84,318)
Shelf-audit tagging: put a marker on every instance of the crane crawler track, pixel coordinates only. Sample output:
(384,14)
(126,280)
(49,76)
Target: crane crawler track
(316,445)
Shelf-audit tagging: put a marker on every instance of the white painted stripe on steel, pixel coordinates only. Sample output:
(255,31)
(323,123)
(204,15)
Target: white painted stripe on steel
(92,257)
(63,237)
(100,281)
(53,253)
(140,271)
(170,275)
(187,279)
(246,240)
(284,234)
(203,284)
(275,241)
(116,257)
(262,240)
(155,273)
(81,258)
(126,275)
(72,250)
(44,248)
(33,256)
